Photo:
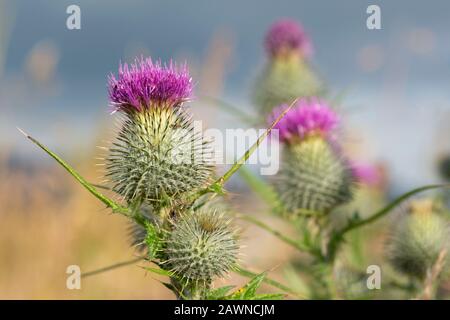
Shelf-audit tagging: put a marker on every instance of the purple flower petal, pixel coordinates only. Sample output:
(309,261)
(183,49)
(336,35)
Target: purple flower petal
(287,34)
(307,116)
(145,84)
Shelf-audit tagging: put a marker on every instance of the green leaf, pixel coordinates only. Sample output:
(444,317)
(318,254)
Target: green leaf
(251,287)
(246,273)
(153,240)
(107,201)
(219,293)
(248,292)
(159,271)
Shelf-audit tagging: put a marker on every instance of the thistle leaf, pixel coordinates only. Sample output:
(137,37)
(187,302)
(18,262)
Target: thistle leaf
(246,273)
(248,291)
(159,271)
(107,201)
(219,293)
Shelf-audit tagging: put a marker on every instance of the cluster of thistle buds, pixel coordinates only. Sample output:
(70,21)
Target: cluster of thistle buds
(156,163)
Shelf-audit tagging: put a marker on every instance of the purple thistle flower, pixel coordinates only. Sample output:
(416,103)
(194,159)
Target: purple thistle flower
(287,34)
(307,117)
(146,84)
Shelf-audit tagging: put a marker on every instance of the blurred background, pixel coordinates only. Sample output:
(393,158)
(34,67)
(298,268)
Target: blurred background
(395,83)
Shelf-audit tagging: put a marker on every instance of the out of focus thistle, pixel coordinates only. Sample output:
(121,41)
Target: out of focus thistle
(444,167)
(287,74)
(419,240)
(157,155)
(314,176)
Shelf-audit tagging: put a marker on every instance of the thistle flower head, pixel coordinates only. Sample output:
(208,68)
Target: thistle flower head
(147,84)
(158,154)
(418,240)
(307,117)
(314,177)
(286,35)
(202,246)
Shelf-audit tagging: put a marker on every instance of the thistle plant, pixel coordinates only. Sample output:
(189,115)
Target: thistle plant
(159,160)
(160,167)
(314,177)
(287,74)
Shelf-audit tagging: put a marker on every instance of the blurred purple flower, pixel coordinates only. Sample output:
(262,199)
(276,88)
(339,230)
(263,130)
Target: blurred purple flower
(146,84)
(365,173)
(307,117)
(287,34)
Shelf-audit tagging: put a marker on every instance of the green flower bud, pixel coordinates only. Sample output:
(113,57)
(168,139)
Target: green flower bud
(158,155)
(201,246)
(283,80)
(313,177)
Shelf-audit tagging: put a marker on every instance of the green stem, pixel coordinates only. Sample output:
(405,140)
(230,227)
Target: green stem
(337,238)
(274,232)
(111,267)
(390,206)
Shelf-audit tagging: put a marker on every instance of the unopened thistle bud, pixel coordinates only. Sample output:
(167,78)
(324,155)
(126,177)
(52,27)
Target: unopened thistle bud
(314,176)
(287,75)
(418,240)
(202,246)
(158,154)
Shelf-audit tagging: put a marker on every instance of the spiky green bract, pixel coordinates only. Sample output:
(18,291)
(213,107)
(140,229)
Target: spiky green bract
(417,242)
(158,155)
(313,177)
(283,80)
(202,246)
